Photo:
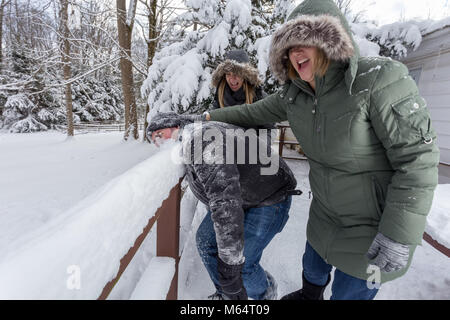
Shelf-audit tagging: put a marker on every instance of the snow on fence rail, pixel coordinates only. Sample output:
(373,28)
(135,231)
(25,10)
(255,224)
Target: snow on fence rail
(74,255)
(167,245)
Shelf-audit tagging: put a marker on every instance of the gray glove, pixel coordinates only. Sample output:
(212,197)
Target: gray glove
(388,254)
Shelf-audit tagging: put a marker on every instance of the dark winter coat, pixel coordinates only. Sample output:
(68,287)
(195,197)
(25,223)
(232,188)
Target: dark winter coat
(238,63)
(230,188)
(233,98)
(366,132)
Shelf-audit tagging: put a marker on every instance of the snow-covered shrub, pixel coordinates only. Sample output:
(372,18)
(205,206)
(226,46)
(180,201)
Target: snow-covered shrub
(94,100)
(180,76)
(26,107)
(30,101)
(393,40)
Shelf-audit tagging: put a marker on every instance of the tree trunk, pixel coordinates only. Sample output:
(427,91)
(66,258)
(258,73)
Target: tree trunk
(2,5)
(64,29)
(126,69)
(151,49)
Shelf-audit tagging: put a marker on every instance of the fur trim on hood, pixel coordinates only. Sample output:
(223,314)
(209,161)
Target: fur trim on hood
(323,31)
(243,70)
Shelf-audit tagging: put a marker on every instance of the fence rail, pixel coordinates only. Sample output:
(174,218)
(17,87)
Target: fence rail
(97,127)
(438,246)
(167,241)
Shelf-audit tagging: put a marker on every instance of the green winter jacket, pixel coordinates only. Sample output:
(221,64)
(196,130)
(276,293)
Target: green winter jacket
(368,138)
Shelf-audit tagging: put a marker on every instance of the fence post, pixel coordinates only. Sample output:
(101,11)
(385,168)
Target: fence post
(168,235)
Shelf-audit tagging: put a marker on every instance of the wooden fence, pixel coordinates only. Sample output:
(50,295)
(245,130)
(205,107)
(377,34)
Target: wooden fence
(98,127)
(167,240)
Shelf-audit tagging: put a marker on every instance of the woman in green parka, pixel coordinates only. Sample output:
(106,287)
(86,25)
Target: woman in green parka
(370,145)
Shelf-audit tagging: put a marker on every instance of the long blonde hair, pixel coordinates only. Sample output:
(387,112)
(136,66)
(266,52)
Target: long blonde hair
(248,89)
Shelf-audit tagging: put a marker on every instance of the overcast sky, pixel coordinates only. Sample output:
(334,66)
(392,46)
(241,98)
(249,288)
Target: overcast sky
(389,11)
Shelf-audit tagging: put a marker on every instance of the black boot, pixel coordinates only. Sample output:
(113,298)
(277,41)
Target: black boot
(308,292)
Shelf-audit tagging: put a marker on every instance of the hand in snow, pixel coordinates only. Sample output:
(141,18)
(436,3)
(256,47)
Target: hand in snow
(388,254)
(230,281)
(164,120)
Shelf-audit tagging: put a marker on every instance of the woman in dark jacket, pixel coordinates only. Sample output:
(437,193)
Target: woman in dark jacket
(236,81)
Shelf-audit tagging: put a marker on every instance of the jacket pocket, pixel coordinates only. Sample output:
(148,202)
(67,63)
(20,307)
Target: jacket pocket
(413,119)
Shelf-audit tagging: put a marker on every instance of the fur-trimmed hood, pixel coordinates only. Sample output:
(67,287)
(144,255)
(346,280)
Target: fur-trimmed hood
(243,70)
(316,23)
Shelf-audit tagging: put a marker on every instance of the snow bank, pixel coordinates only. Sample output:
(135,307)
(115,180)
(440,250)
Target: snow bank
(438,220)
(77,253)
(156,280)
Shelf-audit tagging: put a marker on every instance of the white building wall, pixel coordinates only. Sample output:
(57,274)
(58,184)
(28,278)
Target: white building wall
(430,67)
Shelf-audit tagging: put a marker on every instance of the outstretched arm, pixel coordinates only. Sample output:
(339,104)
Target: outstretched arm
(268,110)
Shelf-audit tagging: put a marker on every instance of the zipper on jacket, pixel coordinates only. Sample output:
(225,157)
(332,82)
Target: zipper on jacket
(318,127)
(314,112)
(315,106)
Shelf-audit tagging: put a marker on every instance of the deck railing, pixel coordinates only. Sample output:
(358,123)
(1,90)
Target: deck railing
(167,241)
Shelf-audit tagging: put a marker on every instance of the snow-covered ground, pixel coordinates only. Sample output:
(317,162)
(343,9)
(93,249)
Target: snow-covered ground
(43,174)
(43,177)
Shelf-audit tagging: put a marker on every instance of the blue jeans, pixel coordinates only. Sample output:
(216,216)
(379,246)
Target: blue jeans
(260,226)
(344,287)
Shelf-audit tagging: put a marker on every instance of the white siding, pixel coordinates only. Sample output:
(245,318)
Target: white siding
(431,64)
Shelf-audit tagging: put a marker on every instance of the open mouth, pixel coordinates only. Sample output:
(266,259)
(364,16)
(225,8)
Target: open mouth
(302,64)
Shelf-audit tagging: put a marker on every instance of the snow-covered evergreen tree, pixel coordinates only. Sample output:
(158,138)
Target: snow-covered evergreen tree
(394,40)
(95,100)
(26,107)
(180,77)
(30,101)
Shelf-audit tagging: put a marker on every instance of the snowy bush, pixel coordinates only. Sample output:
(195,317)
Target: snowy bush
(394,40)
(30,101)
(180,76)
(26,107)
(95,100)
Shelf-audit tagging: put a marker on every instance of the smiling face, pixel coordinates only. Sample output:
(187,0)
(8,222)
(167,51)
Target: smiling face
(303,61)
(234,82)
(159,136)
